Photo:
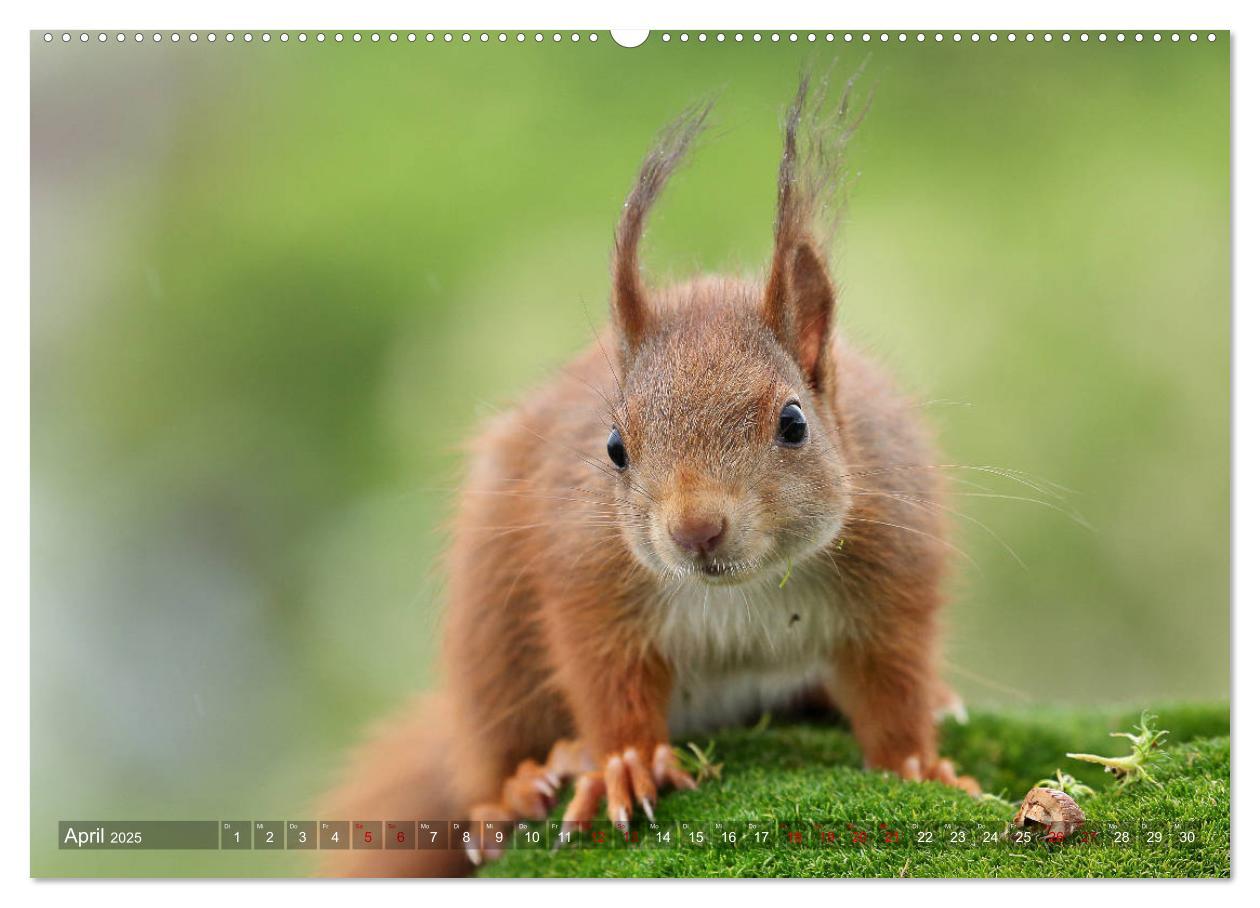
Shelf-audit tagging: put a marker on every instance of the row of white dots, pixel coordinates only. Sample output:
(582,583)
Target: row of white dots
(521,37)
(974,37)
(319,37)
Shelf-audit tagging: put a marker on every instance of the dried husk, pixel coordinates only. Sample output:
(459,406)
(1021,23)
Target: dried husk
(1051,810)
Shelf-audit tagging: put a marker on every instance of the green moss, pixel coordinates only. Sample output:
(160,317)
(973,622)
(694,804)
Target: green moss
(806,774)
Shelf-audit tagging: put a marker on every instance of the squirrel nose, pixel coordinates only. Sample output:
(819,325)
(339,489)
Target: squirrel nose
(698,535)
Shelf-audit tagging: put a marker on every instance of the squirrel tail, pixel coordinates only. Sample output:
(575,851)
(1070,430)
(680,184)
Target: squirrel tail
(401,773)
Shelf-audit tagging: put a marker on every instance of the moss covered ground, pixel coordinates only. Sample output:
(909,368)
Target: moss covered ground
(786,778)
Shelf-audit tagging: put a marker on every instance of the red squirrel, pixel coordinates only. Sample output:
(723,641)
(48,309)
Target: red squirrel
(719,508)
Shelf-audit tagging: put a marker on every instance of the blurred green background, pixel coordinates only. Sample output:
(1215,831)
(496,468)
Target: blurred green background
(274,286)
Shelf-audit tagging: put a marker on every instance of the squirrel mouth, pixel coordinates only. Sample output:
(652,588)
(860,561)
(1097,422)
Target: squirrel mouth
(723,571)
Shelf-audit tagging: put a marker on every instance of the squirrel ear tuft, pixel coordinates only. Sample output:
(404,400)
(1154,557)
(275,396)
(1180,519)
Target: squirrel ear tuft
(803,319)
(799,295)
(798,307)
(631,312)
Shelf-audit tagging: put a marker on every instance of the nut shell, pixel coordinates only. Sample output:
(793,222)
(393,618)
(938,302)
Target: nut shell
(1050,809)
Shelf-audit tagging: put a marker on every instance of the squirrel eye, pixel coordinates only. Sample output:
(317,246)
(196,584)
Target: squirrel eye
(617,450)
(792,427)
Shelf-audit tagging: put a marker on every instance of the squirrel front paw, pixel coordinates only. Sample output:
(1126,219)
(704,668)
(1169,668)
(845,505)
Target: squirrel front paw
(625,780)
(936,769)
(531,791)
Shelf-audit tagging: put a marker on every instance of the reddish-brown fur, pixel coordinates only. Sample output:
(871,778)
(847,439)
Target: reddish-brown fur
(564,575)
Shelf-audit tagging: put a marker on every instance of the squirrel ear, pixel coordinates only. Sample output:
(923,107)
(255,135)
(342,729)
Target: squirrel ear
(799,294)
(631,312)
(798,309)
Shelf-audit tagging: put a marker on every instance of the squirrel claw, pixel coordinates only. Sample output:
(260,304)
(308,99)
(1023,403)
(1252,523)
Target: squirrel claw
(627,779)
(665,769)
(915,769)
(530,793)
(943,772)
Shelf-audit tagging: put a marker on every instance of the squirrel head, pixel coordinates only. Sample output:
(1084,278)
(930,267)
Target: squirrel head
(726,442)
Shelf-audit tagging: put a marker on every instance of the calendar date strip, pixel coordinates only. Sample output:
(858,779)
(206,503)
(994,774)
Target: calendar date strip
(326,835)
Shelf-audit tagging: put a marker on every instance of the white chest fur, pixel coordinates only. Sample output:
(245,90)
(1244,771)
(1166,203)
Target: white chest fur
(738,650)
